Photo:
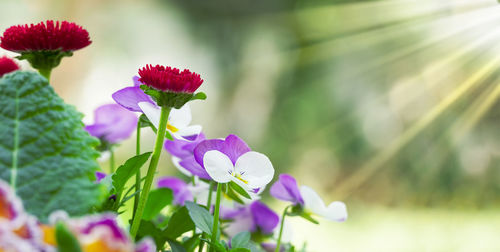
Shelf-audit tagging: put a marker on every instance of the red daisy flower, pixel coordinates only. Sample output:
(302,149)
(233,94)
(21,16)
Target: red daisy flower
(7,65)
(170,79)
(45,36)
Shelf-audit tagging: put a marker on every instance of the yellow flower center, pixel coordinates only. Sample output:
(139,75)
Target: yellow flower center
(238,176)
(172,128)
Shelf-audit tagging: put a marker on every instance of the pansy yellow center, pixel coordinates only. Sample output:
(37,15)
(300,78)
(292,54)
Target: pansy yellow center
(238,176)
(172,128)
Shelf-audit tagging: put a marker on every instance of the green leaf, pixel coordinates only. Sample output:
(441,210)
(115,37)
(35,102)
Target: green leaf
(218,246)
(169,136)
(176,246)
(309,218)
(241,240)
(199,96)
(191,243)
(66,241)
(239,189)
(239,250)
(127,170)
(157,200)
(179,223)
(45,154)
(232,195)
(148,228)
(200,216)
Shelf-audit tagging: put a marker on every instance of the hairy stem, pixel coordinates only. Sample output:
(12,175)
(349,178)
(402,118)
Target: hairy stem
(160,137)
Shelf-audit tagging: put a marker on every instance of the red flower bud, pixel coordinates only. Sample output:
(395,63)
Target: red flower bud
(7,65)
(169,79)
(48,36)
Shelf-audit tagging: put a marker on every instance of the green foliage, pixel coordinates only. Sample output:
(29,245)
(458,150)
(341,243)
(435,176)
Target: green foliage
(239,189)
(157,200)
(127,170)
(175,246)
(44,60)
(170,99)
(66,241)
(241,240)
(45,154)
(148,228)
(179,223)
(199,96)
(200,216)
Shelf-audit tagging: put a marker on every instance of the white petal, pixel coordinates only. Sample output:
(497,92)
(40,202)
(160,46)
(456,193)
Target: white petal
(312,201)
(218,166)
(336,211)
(180,118)
(187,131)
(176,162)
(151,111)
(255,168)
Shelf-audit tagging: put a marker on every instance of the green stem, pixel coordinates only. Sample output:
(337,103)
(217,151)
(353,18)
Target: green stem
(138,174)
(160,137)
(278,244)
(209,203)
(45,73)
(215,227)
(112,161)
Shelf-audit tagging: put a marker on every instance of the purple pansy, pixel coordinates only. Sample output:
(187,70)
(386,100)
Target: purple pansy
(99,176)
(232,160)
(179,188)
(254,217)
(183,156)
(145,245)
(129,97)
(271,247)
(134,99)
(286,189)
(112,123)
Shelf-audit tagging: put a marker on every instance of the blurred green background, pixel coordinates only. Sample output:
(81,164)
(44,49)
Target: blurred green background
(390,105)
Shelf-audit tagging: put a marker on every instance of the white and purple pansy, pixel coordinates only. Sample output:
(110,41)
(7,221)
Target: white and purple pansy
(253,217)
(112,123)
(286,189)
(134,99)
(182,152)
(232,160)
(102,233)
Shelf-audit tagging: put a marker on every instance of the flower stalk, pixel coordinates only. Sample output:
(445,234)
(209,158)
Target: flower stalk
(209,204)
(45,72)
(138,174)
(112,161)
(215,226)
(278,243)
(160,137)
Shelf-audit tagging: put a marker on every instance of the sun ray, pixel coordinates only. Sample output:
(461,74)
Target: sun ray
(368,169)
(336,47)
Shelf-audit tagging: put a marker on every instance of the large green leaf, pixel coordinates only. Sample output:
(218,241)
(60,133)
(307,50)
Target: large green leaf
(157,200)
(200,216)
(45,154)
(179,223)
